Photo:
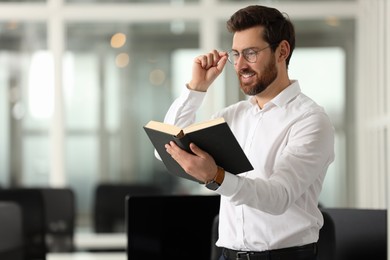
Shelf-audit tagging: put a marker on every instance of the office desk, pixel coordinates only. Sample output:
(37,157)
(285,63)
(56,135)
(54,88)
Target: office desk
(87,256)
(99,241)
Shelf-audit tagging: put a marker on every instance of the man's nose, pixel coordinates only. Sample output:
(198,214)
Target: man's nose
(240,62)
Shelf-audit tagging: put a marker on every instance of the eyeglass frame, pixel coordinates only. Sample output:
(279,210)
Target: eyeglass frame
(245,55)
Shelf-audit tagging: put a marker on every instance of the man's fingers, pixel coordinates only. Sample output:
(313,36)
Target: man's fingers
(176,152)
(211,59)
(172,149)
(197,151)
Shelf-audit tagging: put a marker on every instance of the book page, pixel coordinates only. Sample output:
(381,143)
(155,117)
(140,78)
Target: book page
(163,127)
(205,124)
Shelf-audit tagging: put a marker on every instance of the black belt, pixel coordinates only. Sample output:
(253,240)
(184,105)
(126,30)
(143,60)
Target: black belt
(290,253)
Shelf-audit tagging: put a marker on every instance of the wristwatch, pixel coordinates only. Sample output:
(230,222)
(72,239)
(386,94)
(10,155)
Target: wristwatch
(217,181)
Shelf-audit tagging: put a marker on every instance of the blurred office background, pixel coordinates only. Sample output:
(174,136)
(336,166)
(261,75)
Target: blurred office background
(79,79)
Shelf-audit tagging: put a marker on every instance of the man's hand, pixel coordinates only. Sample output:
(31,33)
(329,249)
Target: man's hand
(206,69)
(200,165)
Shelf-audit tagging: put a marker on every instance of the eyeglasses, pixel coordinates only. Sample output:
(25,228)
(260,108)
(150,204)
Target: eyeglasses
(250,55)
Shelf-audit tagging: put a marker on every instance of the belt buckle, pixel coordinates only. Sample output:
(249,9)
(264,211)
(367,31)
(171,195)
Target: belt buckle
(241,255)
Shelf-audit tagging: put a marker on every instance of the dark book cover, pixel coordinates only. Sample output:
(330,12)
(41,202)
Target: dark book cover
(218,140)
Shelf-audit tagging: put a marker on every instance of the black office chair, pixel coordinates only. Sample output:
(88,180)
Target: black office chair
(33,220)
(11,232)
(360,233)
(171,227)
(109,204)
(59,219)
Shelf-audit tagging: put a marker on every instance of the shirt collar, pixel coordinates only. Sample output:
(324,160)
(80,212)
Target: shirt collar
(287,94)
(283,97)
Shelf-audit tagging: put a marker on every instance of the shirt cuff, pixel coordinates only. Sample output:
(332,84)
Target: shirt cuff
(229,185)
(191,97)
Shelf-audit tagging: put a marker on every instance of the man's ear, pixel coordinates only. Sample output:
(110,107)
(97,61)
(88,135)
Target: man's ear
(284,50)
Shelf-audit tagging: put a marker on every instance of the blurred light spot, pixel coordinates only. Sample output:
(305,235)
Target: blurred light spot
(118,40)
(18,111)
(122,60)
(12,25)
(157,77)
(332,21)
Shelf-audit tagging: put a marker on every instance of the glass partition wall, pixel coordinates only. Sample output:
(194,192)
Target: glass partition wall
(77,87)
(25,96)
(117,77)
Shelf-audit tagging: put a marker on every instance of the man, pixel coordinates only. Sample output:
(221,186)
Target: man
(273,209)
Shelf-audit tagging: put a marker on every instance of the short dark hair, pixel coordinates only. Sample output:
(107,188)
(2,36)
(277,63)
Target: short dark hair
(277,25)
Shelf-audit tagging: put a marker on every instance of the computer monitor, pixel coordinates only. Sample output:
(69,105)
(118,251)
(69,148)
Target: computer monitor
(170,227)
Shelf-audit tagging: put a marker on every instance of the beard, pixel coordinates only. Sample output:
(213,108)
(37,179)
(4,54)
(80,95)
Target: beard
(269,75)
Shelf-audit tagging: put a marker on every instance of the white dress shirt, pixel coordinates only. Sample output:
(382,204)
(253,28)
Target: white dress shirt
(290,143)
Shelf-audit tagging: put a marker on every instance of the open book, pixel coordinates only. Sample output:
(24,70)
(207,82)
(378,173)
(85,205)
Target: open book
(214,136)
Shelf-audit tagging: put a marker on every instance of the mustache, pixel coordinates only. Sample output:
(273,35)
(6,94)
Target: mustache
(245,71)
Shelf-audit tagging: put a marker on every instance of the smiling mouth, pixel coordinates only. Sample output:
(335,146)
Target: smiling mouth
(247,74)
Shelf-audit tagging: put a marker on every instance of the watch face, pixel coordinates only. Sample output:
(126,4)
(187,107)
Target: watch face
(212,185)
